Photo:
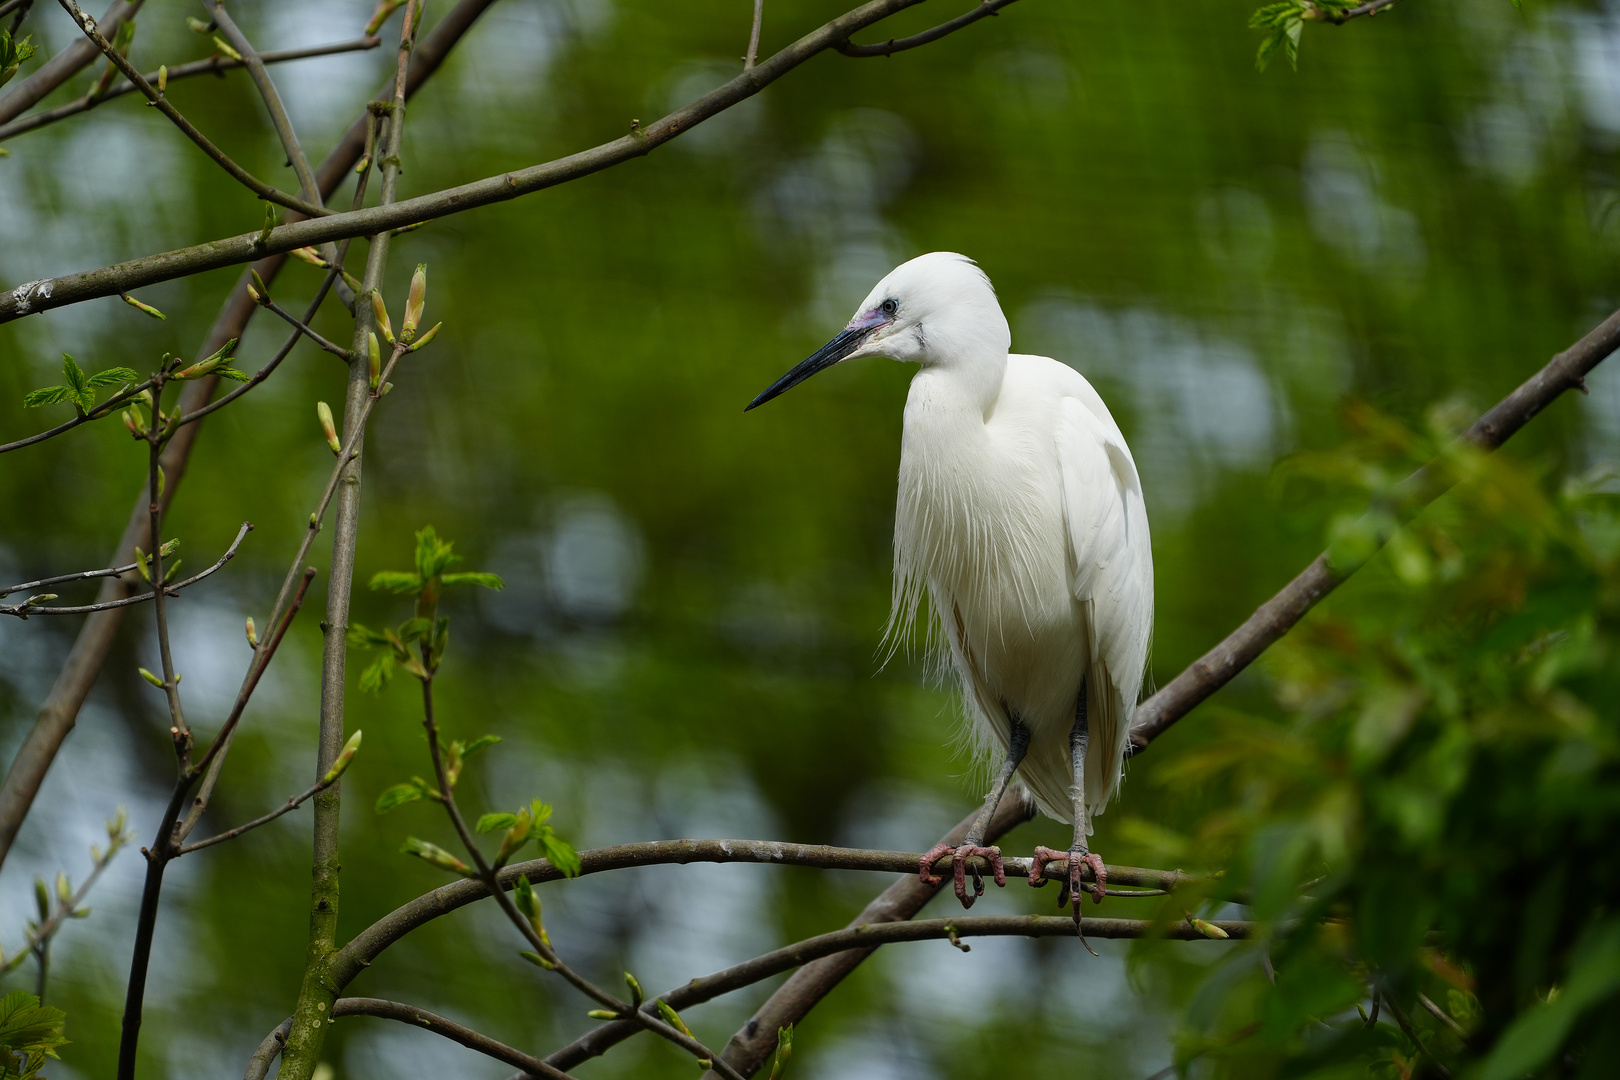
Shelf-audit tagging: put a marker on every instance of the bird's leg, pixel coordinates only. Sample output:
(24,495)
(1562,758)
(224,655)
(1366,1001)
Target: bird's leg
(1078,854)
(973,846)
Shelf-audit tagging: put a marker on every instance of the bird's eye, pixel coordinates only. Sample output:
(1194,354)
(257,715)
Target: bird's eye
(889,307)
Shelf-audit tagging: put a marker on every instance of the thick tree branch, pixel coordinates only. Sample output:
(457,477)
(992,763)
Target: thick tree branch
(892,46)
(61,709)
(47,293)
(1277,616)
(215,64)
(64,65)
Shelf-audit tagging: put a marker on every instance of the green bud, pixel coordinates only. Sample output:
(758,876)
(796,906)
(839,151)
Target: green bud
(415,302)
(673,1018)
(39,598)
(309,255)
(151,678)
(198,26)
(374,359)
(64,888)
(602,1014)
(261,291)
(324,412)
(163,78)
(425,338)
(537,960)
(169,547)
(133,421)
(252,634)
(42,898)
(225,48)
(635,989)
(141,564)
(345,756)
(436,855)
(145,309)
(171,570)
(1208,929)
(380,310)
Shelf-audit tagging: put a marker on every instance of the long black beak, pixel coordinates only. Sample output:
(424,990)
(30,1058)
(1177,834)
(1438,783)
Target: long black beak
(825,357)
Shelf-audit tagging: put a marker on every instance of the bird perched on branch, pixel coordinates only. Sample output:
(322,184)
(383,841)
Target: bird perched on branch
(1020,516)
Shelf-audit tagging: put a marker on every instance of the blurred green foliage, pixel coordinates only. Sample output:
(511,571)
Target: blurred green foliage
(687,641)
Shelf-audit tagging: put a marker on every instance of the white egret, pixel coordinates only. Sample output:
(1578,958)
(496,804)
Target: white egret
(1020,515)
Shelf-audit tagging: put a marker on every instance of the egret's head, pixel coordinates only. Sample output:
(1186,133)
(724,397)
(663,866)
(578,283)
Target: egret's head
(934,309)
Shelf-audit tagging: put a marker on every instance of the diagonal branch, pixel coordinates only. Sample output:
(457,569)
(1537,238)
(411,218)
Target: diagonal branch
(215,64)
(1277,616)
(308,188)
(57,715)
(892,46)
(48,293)
(64,65)
(239,174)
(466,1036)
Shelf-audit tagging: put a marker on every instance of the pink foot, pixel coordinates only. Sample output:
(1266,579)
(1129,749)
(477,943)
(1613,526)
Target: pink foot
(1075,858)
(960,867)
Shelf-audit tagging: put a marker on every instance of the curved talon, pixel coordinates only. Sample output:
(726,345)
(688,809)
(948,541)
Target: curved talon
(1073,884)
(960,867)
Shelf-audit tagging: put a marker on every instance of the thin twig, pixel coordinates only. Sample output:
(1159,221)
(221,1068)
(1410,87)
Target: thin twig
(753,35)
(63,66)
(305,329)
(466,1036)
(231,834)
(1441,1015)
(216,64)
(64,909)
(25,611)
(892,46)
(35,296)
(82,575)
(106,408)
(308,189)
(239,174)
(1339,18)
(1405,1023)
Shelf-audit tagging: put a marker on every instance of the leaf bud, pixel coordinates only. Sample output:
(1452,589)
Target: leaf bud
(374,358)
(145,309)
(380,310)
(64,888)
(115,825)
(436,855)
(427,337)
(39,598)
(415,302)
(673,1018)
(141,564)
(324,412)
(171,570)
(635,989)
(151,678)
(198,26)
(42,898)
(225,48)
(132,420)
(259,290)
(163,78)
(252,633)
(170,546)
(537,960)
(365,163)
(345,756)
(602,1014)
(309,255)
(1208,929)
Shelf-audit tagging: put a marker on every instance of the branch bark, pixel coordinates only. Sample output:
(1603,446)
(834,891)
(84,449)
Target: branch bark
(61,709)
(892,46)
(1282,612)
(64,65)
(48,293)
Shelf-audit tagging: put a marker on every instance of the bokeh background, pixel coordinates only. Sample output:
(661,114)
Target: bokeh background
(688,644)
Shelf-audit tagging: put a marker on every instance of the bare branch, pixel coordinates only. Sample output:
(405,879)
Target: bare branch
(24,611)
(308,189)
(90,649)
(892,46)
(239,174)
(1338,18)
(302,326)
(753,35)
(64,65)
(287,807)
(44,294)
(1277,616)
(472,1040)
(215,64)
(66,909)
(867,937)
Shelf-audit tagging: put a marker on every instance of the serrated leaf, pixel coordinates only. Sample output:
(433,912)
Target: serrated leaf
(558,851)
(377,674)
(414,630)
(46,395)
(394,797)
(433,556)
(362,637)
(478,744)
(77,381)
(112,377)
(225,371)
(491,822)
(397,581)
(488,581)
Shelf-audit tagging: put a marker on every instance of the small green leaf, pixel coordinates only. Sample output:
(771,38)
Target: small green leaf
(433,556)
(397,581)
(394,797)
(478,744)
(225,371)
(414,630)
(559,852)
(490,822)
(112,377)
(46,395)
(488,581)
(361,637)
(377,674)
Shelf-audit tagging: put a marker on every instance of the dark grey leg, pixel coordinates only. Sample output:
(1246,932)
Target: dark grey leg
(1078,854)
(973,846)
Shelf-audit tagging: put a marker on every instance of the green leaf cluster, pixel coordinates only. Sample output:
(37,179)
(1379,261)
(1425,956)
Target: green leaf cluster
(29,1034)
(1284,23)
(416,789)
(13,54)
(526,825)
(77,388)
(1428,804)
